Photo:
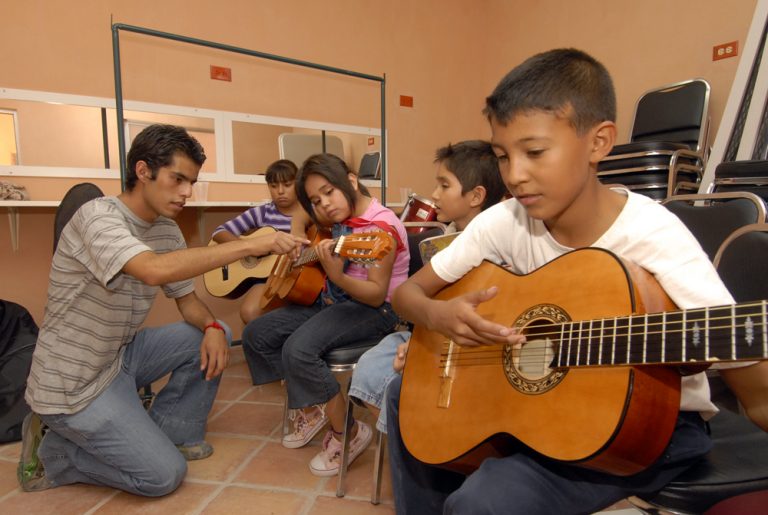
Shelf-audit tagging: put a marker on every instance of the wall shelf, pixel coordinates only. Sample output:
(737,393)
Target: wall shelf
(13,207)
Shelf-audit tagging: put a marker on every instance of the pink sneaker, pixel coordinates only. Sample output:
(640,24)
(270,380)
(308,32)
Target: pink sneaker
(327,461)
(305,427)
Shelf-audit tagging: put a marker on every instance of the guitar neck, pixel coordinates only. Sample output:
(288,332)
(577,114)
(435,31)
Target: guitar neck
(309,255)
(723,333)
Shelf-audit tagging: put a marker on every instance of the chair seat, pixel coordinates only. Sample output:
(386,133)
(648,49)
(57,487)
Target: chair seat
(640,153)
(736,465)
(350,355)
(742,169)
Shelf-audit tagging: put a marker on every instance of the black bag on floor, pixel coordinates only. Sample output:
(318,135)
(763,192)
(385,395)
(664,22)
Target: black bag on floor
(18,335)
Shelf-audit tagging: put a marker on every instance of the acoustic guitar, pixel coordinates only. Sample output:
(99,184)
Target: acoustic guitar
(301,281)
(597,383)
(233,280)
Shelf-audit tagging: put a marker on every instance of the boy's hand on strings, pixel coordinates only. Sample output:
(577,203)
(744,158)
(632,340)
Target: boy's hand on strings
(332,264)
(458,319)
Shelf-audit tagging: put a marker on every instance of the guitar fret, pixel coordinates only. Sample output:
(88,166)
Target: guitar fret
(663,337)
(578,345)
(706,333)
(733,332)
(629,338)
(600,349)
(682,336)
(645,337)
(613,347)
(653,338)
(765,333)
(589,342)
(560,347)
(570,339)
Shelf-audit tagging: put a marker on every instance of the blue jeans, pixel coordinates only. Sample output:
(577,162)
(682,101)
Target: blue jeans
(290,342)
(374,372)
(526,482)
(114,441)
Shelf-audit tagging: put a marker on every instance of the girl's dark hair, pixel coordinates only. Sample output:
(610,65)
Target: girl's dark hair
(282,170)
(335,171)
(156,146)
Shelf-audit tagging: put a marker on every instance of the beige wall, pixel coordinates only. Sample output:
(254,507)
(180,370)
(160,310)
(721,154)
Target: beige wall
(447,54)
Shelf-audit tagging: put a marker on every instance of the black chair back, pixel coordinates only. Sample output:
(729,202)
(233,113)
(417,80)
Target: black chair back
(77,195)
(713,217)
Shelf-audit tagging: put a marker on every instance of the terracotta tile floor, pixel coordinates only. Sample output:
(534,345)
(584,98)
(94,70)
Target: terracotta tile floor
(249,472)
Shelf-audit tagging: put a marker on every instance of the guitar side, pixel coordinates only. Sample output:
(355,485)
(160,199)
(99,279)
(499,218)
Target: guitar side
(299,285)
(233,280)
(614,419)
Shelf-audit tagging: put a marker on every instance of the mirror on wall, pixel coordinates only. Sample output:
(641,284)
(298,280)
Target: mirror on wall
(9,138)
(77,136)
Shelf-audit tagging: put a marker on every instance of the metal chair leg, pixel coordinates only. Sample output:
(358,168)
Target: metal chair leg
(340,485)
(378,467)
(286,413)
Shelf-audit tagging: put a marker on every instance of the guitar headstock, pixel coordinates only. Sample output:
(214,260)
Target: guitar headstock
(365,247)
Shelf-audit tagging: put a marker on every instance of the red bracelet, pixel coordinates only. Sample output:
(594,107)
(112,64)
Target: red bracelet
(215,325)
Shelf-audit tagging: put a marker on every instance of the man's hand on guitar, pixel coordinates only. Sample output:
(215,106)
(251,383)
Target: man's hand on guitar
(457,319)
(279,243)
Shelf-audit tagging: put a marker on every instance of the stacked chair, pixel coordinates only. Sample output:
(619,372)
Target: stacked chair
(750,176)
(668,143)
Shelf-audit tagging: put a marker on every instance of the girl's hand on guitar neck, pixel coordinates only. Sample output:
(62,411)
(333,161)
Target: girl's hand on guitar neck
(458,319)
(332,264)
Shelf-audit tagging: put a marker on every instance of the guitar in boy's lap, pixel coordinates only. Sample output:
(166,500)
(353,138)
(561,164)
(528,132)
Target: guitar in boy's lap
(233,280)
(597,382)
(302,280)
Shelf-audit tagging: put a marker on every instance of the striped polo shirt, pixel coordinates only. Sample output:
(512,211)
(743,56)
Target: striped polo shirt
(94,309)
(255,218)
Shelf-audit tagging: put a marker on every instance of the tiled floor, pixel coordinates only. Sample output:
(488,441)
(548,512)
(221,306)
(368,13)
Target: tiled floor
(249,472)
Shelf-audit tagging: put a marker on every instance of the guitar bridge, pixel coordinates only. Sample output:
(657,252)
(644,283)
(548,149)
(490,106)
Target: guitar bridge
(447,376)
(225,273)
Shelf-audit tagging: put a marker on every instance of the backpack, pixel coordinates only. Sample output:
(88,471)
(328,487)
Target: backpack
(18,335)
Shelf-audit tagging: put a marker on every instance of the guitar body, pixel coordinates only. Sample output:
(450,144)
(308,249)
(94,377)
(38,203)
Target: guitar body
(233,280)
(460,405)
(299,285)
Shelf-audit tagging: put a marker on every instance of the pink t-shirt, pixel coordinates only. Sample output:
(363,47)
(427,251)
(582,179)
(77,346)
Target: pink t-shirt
(377,212)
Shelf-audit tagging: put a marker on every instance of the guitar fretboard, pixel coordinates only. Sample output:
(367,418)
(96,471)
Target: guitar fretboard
(722,333)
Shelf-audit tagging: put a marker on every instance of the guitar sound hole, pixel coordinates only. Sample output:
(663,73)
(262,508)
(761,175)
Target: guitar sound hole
(250,261)
(534,358)
(527,367)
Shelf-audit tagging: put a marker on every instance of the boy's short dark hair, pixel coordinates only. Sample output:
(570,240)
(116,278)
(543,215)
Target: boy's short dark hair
(552,81)
(474,163)
(156,146)
(282,170)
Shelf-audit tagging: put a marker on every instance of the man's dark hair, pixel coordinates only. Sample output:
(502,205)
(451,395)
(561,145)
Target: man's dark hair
(553,81)
(474,163)
(282,170)
(156,146)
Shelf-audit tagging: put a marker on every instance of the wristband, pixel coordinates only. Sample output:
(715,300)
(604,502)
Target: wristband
(215,325)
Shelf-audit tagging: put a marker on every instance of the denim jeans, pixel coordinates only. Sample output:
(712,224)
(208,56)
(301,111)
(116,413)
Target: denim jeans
(290,342)
(526,482)
(374,372)
(114,441)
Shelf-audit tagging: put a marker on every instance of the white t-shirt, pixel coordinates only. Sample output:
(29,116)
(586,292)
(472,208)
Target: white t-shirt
(645,233)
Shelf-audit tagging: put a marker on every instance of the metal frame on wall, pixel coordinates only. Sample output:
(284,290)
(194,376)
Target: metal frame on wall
(117,27)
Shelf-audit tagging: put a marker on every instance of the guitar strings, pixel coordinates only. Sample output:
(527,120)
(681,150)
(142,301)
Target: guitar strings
(490,354)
